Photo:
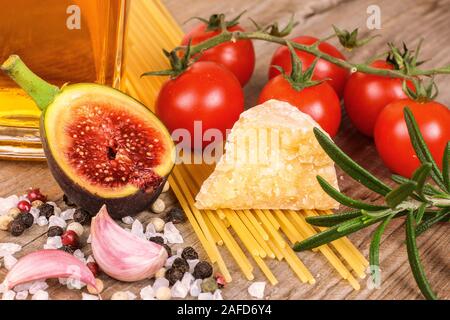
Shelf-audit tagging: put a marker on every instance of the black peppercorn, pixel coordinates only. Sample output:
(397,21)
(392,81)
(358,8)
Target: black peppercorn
(27,219)
(82,216)
(158,240)
(202,270)
(180,264)
(17,227)
(68,249)
(68,202)
(55,231)
(169,251)
(189,253)
(175,215)
(174,275)
(46,210)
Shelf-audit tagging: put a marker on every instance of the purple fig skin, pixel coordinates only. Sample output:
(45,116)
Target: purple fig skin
(117,207)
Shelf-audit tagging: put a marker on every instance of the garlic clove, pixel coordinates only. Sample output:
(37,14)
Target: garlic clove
(121,254)
(46,264)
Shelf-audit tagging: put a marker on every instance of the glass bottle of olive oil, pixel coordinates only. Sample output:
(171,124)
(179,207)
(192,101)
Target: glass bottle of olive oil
(61,41)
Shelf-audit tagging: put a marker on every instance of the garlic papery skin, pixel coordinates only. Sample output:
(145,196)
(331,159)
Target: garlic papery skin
(121,254)
(48,264)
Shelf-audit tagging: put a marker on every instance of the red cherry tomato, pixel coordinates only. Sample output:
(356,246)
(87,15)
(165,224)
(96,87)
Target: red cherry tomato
(206,92)
(237,56)
(324,70)
(366,95)
(392,139)
(320,101)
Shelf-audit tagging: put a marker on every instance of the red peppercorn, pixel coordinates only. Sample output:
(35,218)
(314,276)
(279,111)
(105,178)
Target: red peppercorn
(93,266)
(220,280)
(24,206)
(35,194)
(70,239)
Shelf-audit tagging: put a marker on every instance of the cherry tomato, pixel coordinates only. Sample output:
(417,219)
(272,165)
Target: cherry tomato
(324,70)
(366,95)
(320,101)
(206,92)
(237,56)
(392,139)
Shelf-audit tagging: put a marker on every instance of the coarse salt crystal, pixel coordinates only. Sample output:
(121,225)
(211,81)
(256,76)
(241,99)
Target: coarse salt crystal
(172,234)
(89,239)
(160,282)
(217,295)
(9,262)
(90,259)
(187,280)
(74,283)
(256,289)
(57,221)
(87,296)
(68,214)
(192,263)
(35,213)
(38,286)
(22,295)
(179,290)
(8,295)
(62,281)
(8,203)
(78,253)
(196,288)
(147,293)
(170,261)
(8,248)
(53,243)
(42,221)
(169,227)
(3,288)
(23,287)
(150,230)
(131,295)
(40,295)
(137,229)
(127,220)
(174,238)
(205,296)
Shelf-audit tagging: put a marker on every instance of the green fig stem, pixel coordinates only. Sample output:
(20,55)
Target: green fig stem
(42,92)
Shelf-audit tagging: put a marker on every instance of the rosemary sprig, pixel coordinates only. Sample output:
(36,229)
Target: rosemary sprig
(422,203)
(374,251)
(331,220)
(414,259)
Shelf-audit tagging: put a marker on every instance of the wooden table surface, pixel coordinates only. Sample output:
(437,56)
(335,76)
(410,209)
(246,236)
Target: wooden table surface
(405,20)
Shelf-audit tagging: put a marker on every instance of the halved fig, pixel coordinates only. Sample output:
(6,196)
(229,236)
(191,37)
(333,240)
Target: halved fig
(102,146)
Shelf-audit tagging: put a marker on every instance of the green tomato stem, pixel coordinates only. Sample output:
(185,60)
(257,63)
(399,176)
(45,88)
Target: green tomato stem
(226,36)
(39,90)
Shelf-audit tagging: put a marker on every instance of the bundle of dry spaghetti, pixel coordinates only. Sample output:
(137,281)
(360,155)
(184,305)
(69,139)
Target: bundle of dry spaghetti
(251,236)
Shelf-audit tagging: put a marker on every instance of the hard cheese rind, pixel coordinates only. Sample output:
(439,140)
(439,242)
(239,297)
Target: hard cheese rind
(271,161)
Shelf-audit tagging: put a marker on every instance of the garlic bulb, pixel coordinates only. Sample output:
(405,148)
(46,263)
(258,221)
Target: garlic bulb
(46,264)
(121,254)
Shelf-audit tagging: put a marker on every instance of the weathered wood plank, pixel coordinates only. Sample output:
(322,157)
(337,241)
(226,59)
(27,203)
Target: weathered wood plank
(401,21)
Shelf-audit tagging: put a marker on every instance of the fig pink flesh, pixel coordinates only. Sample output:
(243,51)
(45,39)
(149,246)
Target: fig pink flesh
(47,264)
(121,254)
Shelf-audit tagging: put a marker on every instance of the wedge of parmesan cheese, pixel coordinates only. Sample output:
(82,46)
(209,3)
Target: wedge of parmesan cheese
(271,161)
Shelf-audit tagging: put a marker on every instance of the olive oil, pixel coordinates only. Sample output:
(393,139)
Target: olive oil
(62,41)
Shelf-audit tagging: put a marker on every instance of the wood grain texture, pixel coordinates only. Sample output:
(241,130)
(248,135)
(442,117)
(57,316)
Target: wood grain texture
(405,20)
